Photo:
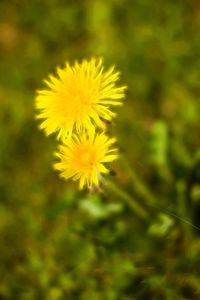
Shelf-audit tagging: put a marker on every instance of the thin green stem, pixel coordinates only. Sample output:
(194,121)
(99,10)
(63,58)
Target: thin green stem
(139,187)
(135,207)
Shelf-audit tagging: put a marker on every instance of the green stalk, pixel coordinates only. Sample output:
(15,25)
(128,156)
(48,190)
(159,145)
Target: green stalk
(140,188)
(134,206)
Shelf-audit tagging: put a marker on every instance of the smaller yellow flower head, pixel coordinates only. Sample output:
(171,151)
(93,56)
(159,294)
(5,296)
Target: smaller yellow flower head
(83,158)
(79,98)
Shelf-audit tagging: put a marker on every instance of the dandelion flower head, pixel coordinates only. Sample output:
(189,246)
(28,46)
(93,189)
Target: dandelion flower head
(83,158)
(79,97)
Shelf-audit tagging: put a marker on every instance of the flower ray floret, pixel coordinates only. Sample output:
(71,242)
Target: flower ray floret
(79,98)
(83,158)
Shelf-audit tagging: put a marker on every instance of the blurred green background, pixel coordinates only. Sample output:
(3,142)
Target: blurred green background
(58,243)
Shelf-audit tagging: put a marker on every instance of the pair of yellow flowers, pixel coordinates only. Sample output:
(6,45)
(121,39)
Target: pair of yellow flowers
(76,106)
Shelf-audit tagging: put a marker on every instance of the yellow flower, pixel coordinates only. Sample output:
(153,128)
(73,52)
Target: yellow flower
(83,158)
(79,98)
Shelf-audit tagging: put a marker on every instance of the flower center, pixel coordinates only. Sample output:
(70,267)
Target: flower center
(87,159)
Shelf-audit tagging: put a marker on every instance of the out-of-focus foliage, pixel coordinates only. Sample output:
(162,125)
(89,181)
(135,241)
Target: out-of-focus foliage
(57,243)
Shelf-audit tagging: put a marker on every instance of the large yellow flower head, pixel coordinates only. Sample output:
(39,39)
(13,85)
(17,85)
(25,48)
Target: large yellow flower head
(80,97)
(83,158)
